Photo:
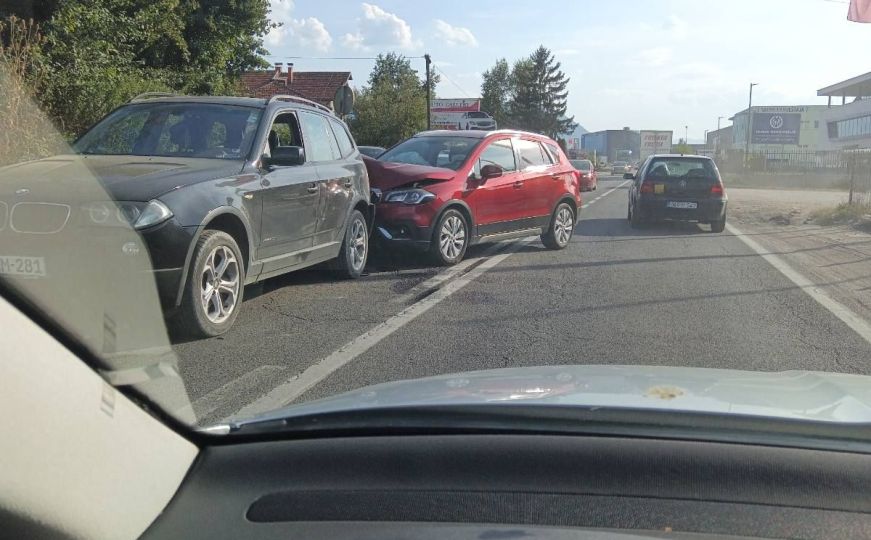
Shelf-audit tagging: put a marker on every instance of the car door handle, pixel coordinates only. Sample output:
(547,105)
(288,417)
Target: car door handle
(313,188)
(556,176)
(518,184)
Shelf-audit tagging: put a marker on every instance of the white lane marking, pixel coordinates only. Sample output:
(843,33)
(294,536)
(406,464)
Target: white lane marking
(209,403)
(839,310)
(444,275)
(293,388)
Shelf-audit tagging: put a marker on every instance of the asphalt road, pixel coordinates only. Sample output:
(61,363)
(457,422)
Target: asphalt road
(670,294)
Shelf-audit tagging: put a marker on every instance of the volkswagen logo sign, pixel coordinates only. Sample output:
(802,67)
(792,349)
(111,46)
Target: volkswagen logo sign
(22,191)
(776,122)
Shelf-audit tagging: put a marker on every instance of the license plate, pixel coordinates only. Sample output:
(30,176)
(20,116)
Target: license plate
(658,188)
(684,205)
(22,266)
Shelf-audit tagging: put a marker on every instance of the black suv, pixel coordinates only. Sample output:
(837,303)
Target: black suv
(223,192)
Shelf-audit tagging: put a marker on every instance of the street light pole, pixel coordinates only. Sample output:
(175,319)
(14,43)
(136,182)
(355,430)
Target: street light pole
(428,90)
(686,134)
(717,138)
(749,121)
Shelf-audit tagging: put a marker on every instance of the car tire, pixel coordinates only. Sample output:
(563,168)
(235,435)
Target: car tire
(718,226)
(562,225)
(355,248)
(208,310)
(450,238)
(634,218)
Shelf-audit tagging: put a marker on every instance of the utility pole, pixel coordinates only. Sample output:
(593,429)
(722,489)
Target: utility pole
(749,121)
(686,135)
(428,93)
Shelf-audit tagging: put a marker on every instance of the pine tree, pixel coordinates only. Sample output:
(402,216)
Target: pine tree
(540,94)
(496,91)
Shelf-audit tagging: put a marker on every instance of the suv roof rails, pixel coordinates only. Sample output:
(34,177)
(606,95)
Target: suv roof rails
(288,97)
(146,95)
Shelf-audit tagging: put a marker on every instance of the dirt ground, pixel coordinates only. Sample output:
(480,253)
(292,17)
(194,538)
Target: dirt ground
(836,258)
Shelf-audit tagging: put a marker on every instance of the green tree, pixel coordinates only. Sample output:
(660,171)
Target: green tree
(682,147)
(393,105)
(100,53)
(496,91)
(539,101)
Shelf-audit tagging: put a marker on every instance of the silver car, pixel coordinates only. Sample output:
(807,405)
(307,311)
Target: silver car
(477,120)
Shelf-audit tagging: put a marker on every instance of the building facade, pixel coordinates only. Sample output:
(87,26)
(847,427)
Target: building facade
(780,129)
(848,125)
(317,86)
(609,142)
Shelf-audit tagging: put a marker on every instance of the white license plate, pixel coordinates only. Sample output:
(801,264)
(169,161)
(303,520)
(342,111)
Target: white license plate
(11,265)
(679,204)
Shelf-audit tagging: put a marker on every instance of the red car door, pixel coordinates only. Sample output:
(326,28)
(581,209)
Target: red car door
(495,202)
(536,169)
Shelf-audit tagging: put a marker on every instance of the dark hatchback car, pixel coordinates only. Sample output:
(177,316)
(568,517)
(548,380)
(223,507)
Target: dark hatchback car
(677,187)
(222,191)
(444,190)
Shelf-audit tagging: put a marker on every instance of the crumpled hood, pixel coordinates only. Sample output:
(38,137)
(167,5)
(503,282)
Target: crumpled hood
(386,175)
(829,397)
(125,178)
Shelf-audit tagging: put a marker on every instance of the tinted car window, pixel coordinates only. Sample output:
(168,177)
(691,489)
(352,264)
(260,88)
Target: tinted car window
(531,154)
(174,130)
(554,152)
(681,167)
(320,142)
(499,153)
(346,146)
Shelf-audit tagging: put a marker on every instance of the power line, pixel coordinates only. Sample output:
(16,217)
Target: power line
(451,80)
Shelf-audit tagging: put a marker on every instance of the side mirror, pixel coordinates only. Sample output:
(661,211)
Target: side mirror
(491,171)
(628,176)
(285,156)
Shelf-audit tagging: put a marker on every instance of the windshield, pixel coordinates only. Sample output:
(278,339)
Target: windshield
(448,152)
(173,130)
(195,199)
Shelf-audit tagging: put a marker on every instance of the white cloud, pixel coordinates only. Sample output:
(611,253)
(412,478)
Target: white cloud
(455,35)
(676,27)
(308,33)
(656,56)
(567,52)
(378,28)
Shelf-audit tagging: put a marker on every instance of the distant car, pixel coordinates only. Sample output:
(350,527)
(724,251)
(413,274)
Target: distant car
(677,187)
(619,167)
(371,151)
(587,175)
(477,120)
(444,190)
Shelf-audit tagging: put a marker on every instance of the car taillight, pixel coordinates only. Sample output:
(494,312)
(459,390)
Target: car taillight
(646,187)
(717,190)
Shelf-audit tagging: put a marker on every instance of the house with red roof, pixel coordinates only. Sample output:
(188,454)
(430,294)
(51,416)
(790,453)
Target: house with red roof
(317,86)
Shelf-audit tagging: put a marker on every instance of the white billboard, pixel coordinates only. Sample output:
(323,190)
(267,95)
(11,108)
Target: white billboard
(654,142)
(448,113)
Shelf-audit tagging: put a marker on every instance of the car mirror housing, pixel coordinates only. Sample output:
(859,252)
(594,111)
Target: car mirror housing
(285,156)
(490,171)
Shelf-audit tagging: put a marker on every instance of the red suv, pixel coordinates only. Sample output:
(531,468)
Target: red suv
(444,190)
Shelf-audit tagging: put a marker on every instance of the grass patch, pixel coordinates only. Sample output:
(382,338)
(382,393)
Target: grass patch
(843,214)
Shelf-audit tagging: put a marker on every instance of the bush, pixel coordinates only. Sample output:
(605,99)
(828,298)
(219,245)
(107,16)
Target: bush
(843,214)
(25,132)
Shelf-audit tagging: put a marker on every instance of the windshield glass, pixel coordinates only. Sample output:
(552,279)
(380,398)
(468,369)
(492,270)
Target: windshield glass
(582,164)
(681,167)
(195,199)
(173,130)
(448,152)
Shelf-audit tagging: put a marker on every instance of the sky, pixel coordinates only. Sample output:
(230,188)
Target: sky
(647,64)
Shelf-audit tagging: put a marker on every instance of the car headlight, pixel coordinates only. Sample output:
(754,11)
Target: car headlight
(409,196)
(127,214)
(154,212)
